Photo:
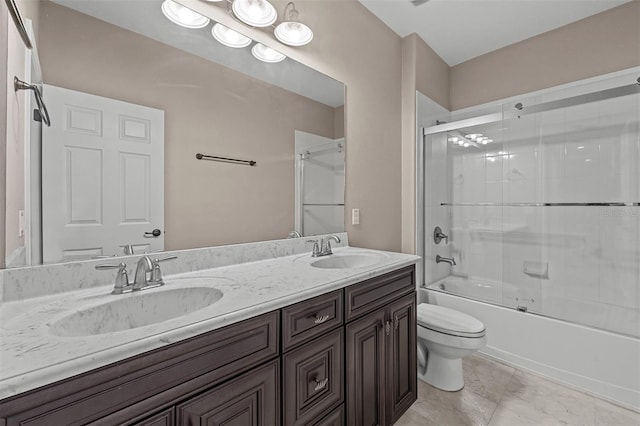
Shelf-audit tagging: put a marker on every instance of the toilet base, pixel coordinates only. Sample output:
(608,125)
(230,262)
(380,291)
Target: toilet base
(444,373)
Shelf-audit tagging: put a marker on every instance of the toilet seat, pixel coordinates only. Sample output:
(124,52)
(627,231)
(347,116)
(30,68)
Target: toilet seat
(449,321)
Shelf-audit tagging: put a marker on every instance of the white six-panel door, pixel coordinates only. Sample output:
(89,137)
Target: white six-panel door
(102,176)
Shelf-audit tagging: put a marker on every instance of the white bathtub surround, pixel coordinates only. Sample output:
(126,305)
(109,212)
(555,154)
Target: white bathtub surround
(599,362)
(253,278)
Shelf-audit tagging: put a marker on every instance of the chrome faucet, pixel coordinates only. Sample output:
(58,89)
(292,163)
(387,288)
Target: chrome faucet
(450,260)
(325,244)
(147,275)
(144,267)
(324,247)
(294,234)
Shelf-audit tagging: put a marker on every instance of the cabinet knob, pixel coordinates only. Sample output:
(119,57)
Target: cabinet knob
(387,327)
(320,384)
(319,319)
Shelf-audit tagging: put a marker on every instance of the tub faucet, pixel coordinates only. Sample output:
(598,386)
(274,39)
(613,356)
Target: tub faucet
(450,260)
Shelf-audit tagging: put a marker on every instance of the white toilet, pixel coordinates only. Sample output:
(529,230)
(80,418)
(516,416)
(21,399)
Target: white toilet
(447,335)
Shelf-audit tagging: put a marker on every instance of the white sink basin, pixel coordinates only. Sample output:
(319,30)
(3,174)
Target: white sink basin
(344,261)
(135,310)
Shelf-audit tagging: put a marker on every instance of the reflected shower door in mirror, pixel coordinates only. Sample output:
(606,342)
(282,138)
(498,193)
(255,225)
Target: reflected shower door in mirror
(216,101)
(319,184)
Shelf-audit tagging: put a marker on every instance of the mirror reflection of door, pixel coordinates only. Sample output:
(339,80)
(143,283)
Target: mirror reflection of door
(102,181)
(319,184)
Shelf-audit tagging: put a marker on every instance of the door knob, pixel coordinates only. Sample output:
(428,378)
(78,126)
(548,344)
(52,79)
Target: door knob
(153,234)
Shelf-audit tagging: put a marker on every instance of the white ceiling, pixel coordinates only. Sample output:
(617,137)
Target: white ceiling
(459,30)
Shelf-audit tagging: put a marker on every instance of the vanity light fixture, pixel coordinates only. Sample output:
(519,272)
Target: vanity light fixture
(291,31)
(229,37)
(257,13)
(266,54)
(183,16)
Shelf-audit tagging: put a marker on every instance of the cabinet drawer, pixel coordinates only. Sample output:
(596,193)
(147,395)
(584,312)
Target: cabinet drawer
(335,418)
(377,292)
(313,379)
(251,399)
(128,390)
(305,320)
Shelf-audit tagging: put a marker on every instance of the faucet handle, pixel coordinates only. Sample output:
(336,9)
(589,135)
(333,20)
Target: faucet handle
(156,273)
(326,246)
(165,258)
(316,250)
(122,278)
(438,236)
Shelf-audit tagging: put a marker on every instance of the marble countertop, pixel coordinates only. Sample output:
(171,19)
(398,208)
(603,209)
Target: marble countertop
(31,356)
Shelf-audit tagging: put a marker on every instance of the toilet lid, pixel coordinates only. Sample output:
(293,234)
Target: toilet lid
(445,320)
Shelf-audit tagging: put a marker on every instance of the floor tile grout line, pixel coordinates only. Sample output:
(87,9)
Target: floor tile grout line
(513,371)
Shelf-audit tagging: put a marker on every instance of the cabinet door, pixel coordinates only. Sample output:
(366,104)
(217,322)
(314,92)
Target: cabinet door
(402,376)
(250,400)
(313,379)
(335,418)
(365,370)
(164,418)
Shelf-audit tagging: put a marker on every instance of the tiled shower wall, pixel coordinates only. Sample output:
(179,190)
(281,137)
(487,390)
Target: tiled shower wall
(580,264)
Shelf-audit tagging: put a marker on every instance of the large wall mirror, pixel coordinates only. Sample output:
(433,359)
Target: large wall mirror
(132,99)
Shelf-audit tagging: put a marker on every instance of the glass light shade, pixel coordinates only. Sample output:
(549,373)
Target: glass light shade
(257,13)
(266,54)
(293,33)
(183,16)
(229,37)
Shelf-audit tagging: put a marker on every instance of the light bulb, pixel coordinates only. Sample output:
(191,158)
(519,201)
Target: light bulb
(257,13)
(293,33)
(266,54)
(229,37)
(183,16)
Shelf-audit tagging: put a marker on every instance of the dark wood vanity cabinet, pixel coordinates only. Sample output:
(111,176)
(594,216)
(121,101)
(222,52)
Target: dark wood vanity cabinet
(347,357)
(381,349)
(313,372)
(251,399)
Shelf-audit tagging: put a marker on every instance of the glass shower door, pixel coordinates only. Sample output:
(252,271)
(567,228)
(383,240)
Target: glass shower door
(322,189)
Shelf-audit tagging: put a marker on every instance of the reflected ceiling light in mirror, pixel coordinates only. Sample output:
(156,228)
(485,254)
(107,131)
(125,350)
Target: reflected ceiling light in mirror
(266,54)
(229,37)
(291,31)
(257,13)
(183,16)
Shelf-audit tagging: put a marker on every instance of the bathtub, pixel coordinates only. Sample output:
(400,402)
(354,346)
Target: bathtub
(598,362)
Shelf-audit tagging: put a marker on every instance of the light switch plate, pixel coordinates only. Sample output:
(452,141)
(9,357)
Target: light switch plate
(355,216)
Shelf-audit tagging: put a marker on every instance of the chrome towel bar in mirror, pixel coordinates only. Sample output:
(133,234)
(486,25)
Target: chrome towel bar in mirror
(42,108)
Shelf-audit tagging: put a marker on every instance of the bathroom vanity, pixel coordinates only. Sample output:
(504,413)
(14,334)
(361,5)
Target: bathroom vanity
(342,351)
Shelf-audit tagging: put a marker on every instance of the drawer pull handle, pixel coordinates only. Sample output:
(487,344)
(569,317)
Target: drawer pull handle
(320,319)
(320,384)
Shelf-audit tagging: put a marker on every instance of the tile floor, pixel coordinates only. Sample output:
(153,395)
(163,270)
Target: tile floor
(498,395)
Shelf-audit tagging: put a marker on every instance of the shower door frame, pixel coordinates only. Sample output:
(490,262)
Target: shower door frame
(519,110)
